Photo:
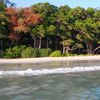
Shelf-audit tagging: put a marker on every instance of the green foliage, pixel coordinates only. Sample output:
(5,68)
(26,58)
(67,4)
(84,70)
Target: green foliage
(30,52)
(2,6)
(7,2)
(90,10)
(68,54)
(45,9)
(56,53)
(67,42)
(45,52)
(64,9)
(51,30)
(14,52)
(75,30)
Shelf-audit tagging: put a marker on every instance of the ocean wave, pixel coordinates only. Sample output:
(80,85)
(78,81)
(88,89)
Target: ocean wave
(30,72)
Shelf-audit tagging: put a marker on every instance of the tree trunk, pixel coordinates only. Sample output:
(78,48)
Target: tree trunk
(56,43)
(40,41)
(89,47)
(35,42)
(1,44)
(65,49)
(95,51)
(47,44)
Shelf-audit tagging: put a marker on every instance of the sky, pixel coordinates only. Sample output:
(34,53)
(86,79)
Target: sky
(71,3)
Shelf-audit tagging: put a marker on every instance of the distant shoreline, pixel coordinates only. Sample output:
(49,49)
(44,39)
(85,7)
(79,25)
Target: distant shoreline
(49,59)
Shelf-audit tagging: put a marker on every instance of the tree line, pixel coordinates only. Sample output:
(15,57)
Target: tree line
(70,30)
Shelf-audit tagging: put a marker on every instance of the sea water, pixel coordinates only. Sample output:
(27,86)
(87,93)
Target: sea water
(74,80)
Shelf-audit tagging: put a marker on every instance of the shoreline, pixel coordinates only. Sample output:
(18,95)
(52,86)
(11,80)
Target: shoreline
(49,59)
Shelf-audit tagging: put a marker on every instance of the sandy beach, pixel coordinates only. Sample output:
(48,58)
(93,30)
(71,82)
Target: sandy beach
(49,59)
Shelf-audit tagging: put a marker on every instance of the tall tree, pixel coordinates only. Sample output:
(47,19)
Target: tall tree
(88,33)
(3,25)
(27,21)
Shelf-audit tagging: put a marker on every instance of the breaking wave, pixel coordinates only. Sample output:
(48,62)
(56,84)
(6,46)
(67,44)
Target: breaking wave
(30,72)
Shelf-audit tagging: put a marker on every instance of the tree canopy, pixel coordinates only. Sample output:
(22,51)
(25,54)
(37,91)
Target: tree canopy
(73,30)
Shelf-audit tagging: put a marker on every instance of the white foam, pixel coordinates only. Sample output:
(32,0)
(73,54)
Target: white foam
(30,72)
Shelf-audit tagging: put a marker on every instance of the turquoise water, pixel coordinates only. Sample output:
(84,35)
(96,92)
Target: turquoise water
(54,86)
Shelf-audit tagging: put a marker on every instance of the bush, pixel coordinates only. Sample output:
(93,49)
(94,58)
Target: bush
(56,53)
(45,52)
(14,52)
(30,52)
(66,54)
